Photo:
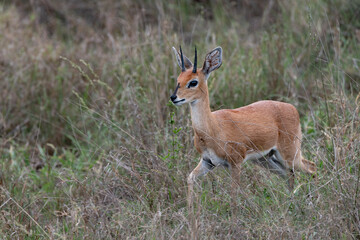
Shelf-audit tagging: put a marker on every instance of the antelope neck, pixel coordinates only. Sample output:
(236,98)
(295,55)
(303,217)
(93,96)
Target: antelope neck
(201,116)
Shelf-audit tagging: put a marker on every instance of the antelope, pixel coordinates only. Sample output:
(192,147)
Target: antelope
(265,132)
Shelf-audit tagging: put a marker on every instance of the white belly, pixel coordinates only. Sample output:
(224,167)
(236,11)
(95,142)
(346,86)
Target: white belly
(215,159)
(254,155)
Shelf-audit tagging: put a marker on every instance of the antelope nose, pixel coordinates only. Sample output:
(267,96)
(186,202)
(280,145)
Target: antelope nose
(173,97)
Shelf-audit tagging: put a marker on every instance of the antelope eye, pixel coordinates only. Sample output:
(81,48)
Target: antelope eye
(193,83)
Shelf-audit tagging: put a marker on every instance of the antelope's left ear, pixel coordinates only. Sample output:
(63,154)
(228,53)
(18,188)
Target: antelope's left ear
(213,61)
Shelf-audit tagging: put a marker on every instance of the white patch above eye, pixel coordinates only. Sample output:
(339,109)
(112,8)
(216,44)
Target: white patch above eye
(189,84)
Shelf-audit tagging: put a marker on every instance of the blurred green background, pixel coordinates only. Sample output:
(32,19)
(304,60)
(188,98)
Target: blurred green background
(90,147)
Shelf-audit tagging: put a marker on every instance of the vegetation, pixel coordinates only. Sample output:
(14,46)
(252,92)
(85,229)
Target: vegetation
(90,147)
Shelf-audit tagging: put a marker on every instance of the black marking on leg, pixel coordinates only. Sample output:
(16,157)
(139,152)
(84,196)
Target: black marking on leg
(209,164)
(272,152)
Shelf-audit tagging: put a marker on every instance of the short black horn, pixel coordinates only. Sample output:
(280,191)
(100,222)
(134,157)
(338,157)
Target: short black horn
(182,61)
(195,61)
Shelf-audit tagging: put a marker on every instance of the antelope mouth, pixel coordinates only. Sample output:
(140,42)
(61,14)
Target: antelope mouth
(178,102)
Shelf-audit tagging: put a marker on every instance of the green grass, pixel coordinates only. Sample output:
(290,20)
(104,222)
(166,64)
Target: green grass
(90,147)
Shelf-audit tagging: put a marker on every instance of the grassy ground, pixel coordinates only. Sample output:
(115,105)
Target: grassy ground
(91,148)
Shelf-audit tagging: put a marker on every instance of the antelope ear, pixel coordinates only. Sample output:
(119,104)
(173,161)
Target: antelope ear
(212,61)
(187,62)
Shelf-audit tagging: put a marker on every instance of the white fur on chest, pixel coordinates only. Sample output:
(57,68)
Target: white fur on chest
(196,116)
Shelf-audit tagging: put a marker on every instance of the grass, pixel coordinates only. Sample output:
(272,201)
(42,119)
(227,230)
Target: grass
(91,148)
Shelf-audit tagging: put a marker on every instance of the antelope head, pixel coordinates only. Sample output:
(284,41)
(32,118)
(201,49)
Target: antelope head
(191,83)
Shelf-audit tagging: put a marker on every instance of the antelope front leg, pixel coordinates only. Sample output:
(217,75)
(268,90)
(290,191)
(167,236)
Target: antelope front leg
(201,169)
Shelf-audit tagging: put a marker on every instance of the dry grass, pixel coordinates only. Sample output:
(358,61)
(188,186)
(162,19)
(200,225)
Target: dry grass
(91,149)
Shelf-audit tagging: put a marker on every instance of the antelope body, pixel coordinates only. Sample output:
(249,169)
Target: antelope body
(266,132)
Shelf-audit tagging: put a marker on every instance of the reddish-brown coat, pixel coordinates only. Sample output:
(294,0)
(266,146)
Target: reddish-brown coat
(234,133)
